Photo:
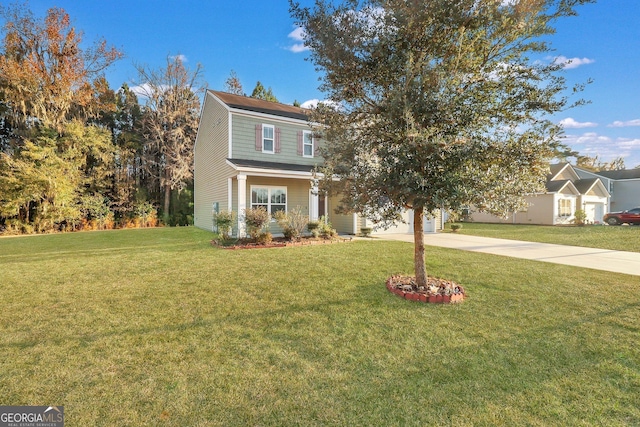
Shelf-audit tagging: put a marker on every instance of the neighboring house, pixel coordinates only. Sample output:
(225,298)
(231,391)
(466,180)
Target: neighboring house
(623,185)
(250,152)
(566,192)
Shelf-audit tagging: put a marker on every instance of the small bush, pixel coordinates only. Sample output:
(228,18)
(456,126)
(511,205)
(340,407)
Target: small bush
(292,223)
(264,238)
(366,231)
(256,219)
(456,227)
(224,222)
(326,230)
(145,215)
(579,217)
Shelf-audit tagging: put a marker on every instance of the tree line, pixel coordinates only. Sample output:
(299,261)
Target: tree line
(77,154)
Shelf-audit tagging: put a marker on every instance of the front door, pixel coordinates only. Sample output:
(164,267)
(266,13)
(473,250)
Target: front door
(322,205)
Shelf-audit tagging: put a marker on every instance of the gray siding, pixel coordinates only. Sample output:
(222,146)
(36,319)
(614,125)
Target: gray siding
(244,137)
(210,168)
(626,194)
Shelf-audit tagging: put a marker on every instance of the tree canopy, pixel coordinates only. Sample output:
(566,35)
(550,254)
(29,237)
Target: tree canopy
(45,71)
(170,123)
(260,92)
(435,104)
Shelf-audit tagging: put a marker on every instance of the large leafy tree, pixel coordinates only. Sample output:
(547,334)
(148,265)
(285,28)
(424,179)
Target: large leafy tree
(435,103)
(169,124)
(42,184)
(47,74)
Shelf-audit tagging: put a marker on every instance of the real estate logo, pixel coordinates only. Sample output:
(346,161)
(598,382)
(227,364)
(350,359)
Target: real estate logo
(31,416)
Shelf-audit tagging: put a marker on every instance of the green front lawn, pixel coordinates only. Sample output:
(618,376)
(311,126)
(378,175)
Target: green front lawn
(156,327)
(621,238)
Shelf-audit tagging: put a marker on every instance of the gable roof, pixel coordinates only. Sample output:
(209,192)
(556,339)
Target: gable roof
(559,185)
(260,106)
(558,171)
(621,174)
(584,186)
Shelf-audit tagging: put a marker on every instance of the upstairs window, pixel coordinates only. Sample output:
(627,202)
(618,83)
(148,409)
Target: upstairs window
(268,139)
(307,144)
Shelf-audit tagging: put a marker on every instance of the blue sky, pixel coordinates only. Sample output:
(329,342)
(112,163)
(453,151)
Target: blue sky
(256,39)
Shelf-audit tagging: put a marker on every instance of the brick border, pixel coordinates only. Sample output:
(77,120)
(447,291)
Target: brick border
(425,296)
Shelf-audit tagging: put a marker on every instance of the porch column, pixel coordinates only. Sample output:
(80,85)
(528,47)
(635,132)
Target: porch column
(355,224)
(242,205)
(313,201)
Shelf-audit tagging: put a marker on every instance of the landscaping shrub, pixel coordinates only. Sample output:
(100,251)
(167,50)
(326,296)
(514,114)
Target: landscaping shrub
(256,219)
(326,230)
(224,221)
(292,222)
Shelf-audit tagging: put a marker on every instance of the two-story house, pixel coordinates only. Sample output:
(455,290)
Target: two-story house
(623,185)
(250,152)
(566,192)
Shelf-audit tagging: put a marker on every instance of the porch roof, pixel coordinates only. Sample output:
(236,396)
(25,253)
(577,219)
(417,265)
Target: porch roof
(272,169)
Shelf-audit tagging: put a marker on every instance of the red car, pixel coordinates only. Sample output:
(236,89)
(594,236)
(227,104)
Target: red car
(632,216)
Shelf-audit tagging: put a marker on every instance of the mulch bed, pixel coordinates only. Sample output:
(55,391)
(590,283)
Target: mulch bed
(436,291)
(279,242)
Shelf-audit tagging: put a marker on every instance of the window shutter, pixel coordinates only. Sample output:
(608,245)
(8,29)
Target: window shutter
(258,137)
(299,143)
(316,144)
(277,147)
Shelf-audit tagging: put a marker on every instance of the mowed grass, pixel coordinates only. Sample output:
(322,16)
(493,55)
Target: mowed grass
(620,238)
(156,327)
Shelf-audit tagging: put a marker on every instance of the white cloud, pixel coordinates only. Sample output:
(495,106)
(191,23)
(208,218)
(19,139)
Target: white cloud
(313,103)
(605,147)
(568,63)
(570,123)
(298,36)
(182,58)
(619,124)
(142,90)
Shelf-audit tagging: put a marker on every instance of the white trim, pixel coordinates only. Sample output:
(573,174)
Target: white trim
(269,188)
(573,188)
(229,194)
(273,138)
(272,173)
(313,201)
(313,143)
(242,204)
(230,136)
(254,114)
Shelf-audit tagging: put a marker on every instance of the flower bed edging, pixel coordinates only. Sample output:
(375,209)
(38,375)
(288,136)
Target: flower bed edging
(439,291)
(281,244)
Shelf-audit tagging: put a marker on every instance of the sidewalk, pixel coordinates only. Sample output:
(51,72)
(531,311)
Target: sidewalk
(599,259)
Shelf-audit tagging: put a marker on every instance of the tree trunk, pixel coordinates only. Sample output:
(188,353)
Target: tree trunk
(167,202)
(418,254)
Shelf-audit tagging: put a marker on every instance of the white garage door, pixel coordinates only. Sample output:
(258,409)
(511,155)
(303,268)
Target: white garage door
(594,211)
(429,225)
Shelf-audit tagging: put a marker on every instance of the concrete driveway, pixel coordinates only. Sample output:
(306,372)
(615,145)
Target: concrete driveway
(599,259)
